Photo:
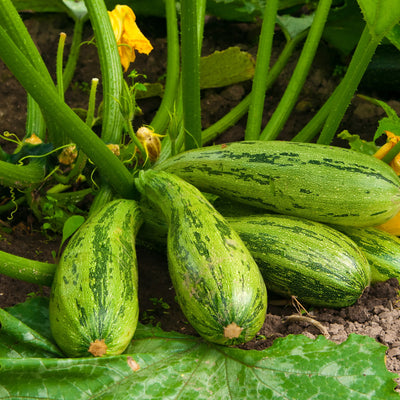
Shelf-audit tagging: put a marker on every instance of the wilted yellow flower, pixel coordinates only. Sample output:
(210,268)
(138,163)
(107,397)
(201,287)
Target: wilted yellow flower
(68,155)
(392,141)
(150,141)
(114,148)
(128,35)
(33,139)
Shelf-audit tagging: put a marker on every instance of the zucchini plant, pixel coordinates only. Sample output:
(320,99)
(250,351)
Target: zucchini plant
(93,307)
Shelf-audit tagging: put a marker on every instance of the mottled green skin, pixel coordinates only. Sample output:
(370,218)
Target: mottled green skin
(216,280)
(381,249)
(94,294)
(314,262)
(322,183)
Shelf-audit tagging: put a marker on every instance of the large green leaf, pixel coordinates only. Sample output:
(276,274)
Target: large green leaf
(169,365)
(380,15)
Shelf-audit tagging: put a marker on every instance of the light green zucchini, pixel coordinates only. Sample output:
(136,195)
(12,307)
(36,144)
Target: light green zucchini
(217,282)
(322,183)
(94,296)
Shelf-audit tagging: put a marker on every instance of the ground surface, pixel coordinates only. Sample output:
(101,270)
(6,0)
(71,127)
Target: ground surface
(376,314)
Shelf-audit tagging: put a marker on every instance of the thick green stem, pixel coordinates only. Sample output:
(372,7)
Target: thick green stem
(256,106)
(240,110)
(14,26)
(289,98)
(361,58)
(27,270)
(21,176)
(191,73)
(112,169)
(164,112)
(111,71)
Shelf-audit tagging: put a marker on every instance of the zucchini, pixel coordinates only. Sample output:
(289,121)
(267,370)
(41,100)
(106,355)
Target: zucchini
(217,282)
(313,181)
(297,257)
(381,249)
(94,296)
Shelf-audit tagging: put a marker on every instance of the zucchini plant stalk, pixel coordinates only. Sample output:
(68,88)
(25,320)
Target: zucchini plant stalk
(111,71)
(289,98)
(164,112)
(21,176)
(240,110)
(15,28)
(110,167)
(191,72)
(261,73)
(27,270)
(361,58)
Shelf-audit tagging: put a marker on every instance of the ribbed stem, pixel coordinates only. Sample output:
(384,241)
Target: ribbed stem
(256,105)
(27,270)
(289,98)
(361,58)
(112,169)
(240,110)
(164,112)
(111,71)
(190,74)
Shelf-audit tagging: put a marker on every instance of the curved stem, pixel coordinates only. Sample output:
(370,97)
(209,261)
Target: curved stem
(191,73)
(73,52)
(21,176)
(27,270)
(359,62)
(111,71)
(164,112)
(256,105)
(288,101)
(112,169)
(240,110)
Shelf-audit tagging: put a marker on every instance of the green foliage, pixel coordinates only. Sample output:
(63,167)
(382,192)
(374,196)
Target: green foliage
(169,365)
(358,144)
(380,15)
(223,68)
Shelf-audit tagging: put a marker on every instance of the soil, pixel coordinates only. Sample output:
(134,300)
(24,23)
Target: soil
(376,313)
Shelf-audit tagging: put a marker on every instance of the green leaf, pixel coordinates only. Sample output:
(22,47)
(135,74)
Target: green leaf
(388,124)
(293,26)
(394,36)
(169,365)
(70,226)
(223,68)
(358,144)
(344,27)
(380,15)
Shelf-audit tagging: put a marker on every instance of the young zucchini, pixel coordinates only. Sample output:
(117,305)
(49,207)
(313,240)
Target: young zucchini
(94,296)
(322,183)
(297,257)
(381,249)
(217,282)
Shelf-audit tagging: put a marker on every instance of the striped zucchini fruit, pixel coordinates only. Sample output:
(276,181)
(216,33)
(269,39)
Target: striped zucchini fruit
(297,257)
(217,282)
(94,296)
(313,181)
(381,249)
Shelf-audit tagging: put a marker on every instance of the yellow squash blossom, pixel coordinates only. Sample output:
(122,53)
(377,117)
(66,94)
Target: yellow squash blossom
(392,141)
(128,35)
(393,225)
